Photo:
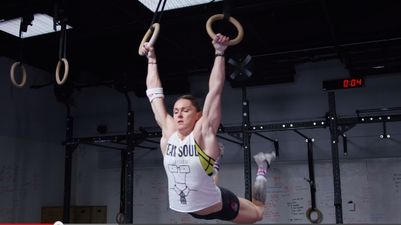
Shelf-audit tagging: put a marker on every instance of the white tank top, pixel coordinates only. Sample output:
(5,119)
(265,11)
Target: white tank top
(190,187)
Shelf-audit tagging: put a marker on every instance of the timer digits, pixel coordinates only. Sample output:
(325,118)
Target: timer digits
(345,83)
(352,83)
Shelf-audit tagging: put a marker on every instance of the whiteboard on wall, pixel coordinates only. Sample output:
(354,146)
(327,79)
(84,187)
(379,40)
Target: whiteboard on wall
(371,192)
(24,184)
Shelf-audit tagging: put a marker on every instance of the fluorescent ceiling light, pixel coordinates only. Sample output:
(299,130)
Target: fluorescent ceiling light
(41,24)
(173,4)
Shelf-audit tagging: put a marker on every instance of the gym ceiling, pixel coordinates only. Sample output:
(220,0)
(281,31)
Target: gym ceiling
(102,46)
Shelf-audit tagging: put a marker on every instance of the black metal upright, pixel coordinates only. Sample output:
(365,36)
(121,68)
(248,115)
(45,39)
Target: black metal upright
(311,168)
(69,150)
(129,172)
(332,117)
(129,208)
(125,214)
(246,145)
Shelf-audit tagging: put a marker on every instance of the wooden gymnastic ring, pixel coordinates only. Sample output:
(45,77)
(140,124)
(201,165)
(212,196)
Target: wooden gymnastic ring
(66,70)
(120,218)
(232,20)
(12,74)
(154,31)
(319,215)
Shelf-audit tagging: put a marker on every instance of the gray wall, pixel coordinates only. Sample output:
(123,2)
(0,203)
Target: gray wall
(371,193)
(96,170)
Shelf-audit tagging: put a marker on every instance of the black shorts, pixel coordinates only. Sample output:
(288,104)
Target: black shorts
(228,212)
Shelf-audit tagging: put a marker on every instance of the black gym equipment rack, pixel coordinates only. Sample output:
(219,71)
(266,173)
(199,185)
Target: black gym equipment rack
(337,126)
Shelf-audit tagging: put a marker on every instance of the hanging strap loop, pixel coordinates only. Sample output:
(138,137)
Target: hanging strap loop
(23,74)
(62,55)
(319,215)
(226,15)
(66,70)
(227,10)
(153,32)
(313,209)
(25,21)
(232,20)
(157,13)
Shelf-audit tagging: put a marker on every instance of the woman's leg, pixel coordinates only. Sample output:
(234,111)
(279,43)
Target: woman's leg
(249,212)
(216,166)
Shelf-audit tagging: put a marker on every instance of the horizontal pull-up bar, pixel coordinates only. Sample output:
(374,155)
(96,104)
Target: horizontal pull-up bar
(275,142)
(301,134)
(230,140)
(317,123)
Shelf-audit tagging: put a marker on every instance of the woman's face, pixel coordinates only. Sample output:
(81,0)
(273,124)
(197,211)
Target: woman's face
(185,114)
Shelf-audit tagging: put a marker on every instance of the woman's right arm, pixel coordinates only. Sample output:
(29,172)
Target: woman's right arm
(155,93)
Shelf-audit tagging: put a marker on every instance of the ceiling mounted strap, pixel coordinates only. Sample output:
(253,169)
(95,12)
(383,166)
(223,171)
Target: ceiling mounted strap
(158,15)
(227,9)
(153,31)
(25,22)
(62,55)
(63,41)
(60,19)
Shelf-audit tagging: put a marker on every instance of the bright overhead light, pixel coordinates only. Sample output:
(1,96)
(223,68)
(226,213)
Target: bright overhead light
(41,24)
(174,4)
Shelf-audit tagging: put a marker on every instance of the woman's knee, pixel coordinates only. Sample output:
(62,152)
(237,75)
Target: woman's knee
(259,216)
(249,212)
(254,217)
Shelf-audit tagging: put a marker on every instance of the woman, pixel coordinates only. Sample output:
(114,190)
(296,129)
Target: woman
(189,147)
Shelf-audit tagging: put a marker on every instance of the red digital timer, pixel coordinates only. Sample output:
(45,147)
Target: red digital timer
(345,83)
(352,83)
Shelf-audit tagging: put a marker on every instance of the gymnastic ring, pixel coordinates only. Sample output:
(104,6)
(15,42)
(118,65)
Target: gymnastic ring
(12,74)
(154,31)
(120,218)
(232,20)
(319,215)
(66,69)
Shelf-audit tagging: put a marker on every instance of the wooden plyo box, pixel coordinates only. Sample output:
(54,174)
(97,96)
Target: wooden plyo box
(78,214)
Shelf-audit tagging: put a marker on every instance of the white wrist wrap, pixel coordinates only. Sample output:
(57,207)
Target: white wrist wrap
(153,93)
